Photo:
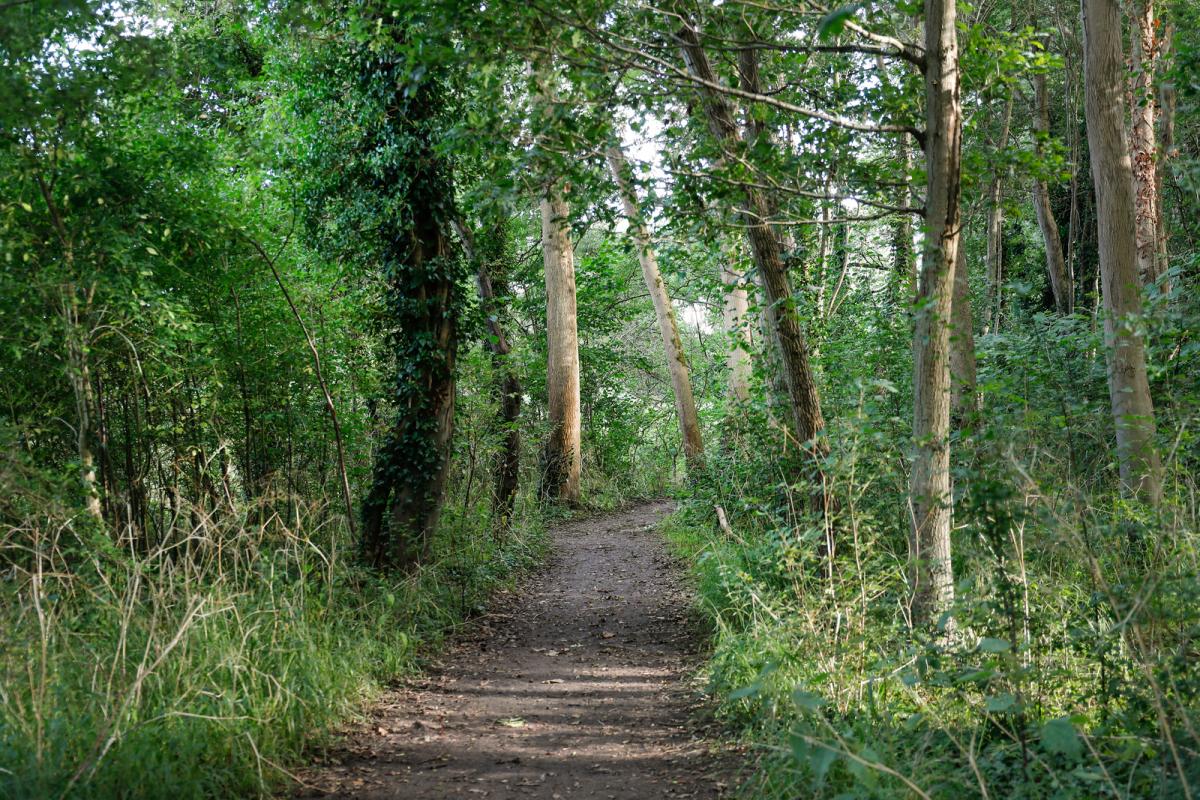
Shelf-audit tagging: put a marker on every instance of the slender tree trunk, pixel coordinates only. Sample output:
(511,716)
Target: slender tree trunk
(965,405)
(995,229)
(753,129)
(799,378)
(735,311)
(681,383)
(562,455)
(1142,145)
(81,384)
(1166,147)
(1128,386)
(931,572)
(491,277)
(903,264)
(1056,266)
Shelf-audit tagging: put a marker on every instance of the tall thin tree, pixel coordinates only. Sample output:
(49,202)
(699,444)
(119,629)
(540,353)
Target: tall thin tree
(931,572)
(1112,174)
(804,398)
(668,328)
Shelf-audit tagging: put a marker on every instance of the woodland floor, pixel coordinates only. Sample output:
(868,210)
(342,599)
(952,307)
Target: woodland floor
(573,687)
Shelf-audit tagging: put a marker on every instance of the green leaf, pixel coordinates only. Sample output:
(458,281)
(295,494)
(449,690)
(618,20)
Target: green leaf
(807,700)
(833,22)
(990,645)
(1059,736)
(821,761)
(745,691)
(998,704)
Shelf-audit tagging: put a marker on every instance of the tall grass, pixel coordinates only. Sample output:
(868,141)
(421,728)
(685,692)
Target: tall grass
(203,665)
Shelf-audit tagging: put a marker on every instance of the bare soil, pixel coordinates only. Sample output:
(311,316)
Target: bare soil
(574,687)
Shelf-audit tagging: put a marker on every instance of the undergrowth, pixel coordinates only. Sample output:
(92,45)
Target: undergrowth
(1065,669)
(203,666)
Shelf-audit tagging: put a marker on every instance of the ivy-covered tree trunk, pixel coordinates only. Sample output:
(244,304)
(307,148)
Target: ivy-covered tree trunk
(388,206)
(401,511)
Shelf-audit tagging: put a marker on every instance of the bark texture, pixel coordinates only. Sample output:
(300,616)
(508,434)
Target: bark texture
(681,382)
(965,402)
(931,573)
(562,457)
(734,313)
(903,263)
(1128,386)
(1062,283)
(768,259)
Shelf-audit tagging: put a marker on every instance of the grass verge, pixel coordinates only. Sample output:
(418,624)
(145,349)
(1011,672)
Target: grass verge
(203,666)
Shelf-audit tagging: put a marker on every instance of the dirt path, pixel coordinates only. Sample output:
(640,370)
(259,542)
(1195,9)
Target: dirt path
(572,689)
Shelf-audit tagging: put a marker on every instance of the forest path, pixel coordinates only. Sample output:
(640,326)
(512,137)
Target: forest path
(572,687)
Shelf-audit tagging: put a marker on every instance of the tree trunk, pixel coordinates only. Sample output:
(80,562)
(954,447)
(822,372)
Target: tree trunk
(1143,149)
(81,385)
(965,405)
(402,508)
(1128,386)
(1056,266)
(799,378)
(734,312)
(753,129)
(903,264)
(1166,147)
(931,571)
(995,229)
(562,456)
(681,384)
